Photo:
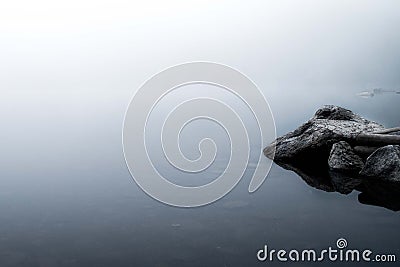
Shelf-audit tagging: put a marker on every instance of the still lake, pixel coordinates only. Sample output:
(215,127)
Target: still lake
(67,198)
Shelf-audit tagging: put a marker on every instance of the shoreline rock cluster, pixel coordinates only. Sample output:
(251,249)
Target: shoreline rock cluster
(338,150)
(345,141)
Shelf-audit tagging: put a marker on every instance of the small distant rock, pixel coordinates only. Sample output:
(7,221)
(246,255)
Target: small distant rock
(343,158)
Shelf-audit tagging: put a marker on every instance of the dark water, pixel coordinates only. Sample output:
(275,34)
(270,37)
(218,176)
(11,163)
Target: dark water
(67,198)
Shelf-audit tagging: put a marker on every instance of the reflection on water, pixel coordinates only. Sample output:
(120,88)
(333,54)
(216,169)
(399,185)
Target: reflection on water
(372,192)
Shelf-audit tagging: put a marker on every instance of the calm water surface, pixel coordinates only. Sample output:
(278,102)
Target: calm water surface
(67,198)
(68,73)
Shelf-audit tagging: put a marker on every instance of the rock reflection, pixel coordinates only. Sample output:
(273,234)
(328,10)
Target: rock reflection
(372,191)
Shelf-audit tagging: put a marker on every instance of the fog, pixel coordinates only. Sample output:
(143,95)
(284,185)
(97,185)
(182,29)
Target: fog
(69,69)
(68,72)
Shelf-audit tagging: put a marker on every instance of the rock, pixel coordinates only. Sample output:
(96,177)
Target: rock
(384,163)
(343,158)
(364,151)
(314,139)
(339,151)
